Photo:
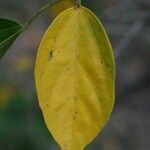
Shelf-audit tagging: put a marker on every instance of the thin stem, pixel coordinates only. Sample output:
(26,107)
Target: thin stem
(78,3)
(41,11)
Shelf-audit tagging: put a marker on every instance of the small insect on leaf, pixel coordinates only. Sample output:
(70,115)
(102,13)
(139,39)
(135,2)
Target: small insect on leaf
(9,30)
(76,86)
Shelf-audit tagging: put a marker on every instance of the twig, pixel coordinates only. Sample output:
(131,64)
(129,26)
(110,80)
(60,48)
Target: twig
(78,3)
(40,11)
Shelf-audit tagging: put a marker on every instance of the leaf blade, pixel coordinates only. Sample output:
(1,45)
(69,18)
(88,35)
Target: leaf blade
(76,86)
(9,30)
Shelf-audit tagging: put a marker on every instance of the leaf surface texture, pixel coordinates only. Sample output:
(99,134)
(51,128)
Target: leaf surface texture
(75,76)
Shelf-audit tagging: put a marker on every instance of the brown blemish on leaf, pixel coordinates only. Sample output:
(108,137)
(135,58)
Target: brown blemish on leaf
(50,55)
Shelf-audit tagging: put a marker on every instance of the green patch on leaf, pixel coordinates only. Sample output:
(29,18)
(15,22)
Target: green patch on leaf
(9,30)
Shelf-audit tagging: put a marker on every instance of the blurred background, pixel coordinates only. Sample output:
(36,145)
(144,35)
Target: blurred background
(127,23)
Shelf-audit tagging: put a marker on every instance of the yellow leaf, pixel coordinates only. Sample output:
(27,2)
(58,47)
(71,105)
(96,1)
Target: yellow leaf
(75,76)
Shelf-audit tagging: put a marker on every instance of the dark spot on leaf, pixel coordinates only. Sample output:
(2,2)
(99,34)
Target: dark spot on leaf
(50,55)
(76,112)
(65,147)
(67,68)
